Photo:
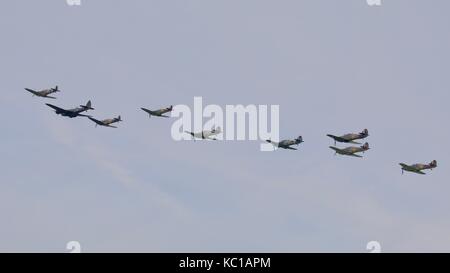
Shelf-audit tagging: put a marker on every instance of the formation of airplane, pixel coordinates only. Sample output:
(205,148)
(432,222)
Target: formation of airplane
(106,122)
(351,151)
(286,144)
(44,93)
(159,112)
(206,134)
(418,168)
(210,134)
(72,113)
(350,138)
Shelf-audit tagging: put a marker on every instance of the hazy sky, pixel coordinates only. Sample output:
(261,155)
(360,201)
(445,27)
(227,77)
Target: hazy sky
(332,66)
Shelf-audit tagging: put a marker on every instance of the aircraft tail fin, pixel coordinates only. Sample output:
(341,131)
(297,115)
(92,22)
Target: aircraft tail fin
(433,164)
(299,139)
(366,146)
(88,106)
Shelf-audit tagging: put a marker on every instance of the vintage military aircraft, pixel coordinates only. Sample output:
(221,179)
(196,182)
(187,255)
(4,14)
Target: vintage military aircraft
(351,151)
(206,134)
(350,138)
(44,93)
(106,122)
(159,112)
(286,144)
(418,168)
(72,113)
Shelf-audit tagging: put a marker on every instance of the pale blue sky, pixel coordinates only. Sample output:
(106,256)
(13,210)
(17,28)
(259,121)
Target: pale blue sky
(332,66)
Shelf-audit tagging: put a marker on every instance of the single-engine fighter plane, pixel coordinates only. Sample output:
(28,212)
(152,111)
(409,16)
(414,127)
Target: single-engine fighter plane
(207,134)
(72,113)
(418,168)
(286,144)
(350,138)
(159,112)
(106,122)
(44,93)
(351,151)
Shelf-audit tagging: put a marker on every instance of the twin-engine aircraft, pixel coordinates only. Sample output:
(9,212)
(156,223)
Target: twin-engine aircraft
(106,122)
(44,93)
(351,151)
(350,138)
(206,134)
(418,168)
(72,113)
(286,144)
(159,112)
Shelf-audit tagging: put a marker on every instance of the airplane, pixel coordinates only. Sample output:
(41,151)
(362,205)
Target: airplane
(72,113)
(106,122)
(44,93)
(286,144)
(159,112)
(418,168)
(350,138)
(206,134)
(351,151)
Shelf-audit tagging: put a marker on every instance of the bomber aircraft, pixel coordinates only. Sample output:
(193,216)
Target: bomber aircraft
(72,113)
(159,112)
(351,151)
(206,134)
(106,122)
(286,144)
(350,138)
(418,168)
(44,93)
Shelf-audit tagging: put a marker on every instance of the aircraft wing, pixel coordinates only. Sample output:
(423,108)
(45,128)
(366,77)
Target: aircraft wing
(82,115)
(95,120)
(211,137)
(355,155)
(404,166)
(111,126)
(50,97)
(288,147)
(164,116)
(354,142)
(56,108)
(339,139)
(419,172)
(32,91)
(150,112)
(336,149)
